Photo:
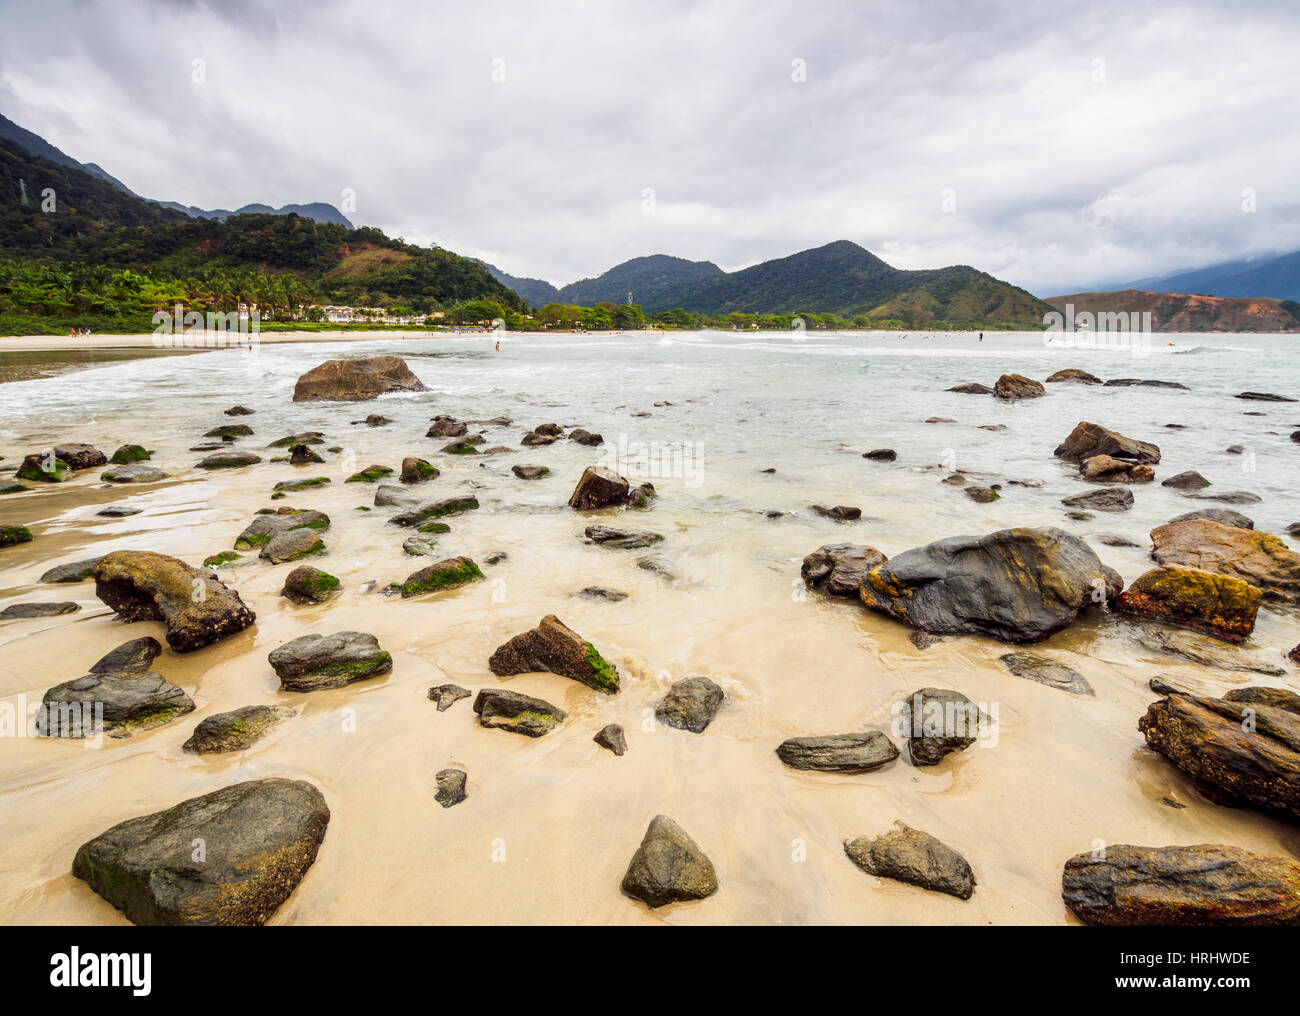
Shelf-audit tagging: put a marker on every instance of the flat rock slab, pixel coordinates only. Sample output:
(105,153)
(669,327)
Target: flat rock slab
(228,460)
(447,695)
(118,511)
(124,702)
(436,510)
(530,472)
(519,714)
(838,568)
(258,838)
(1108,499)
(917,858)
(602,593)
(1047,671)
(451,787)
(1259,558)
(25,611)
(1015,585)
(73,571)
(236,730)
(690,704)
(838,753)
(625,539)
(1202,650)
(555,648)
(1226,516)
(668,867)
(133,474)
(1206,884)
(312,662)
(1245,745)
(196,607)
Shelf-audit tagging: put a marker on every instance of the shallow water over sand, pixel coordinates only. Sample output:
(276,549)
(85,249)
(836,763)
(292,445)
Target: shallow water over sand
(550,824)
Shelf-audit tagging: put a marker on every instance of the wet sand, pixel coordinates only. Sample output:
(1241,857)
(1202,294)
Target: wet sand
(550,824)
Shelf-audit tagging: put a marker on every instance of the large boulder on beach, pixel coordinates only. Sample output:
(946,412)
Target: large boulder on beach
(1015,585)
(668,867)
(1089,439)
(1259,558)
(257,838)
(196,607)
(915,857)
(1017,386)
(598,487)
(1218,605)
(1205,884)
(356,380)
(1241,748)
(312,662)
(555,648)
(838,568)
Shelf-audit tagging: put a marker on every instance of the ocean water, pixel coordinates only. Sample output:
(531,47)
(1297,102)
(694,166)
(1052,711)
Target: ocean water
(551,824)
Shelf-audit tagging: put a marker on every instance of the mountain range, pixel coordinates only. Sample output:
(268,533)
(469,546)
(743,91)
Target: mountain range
(37,145)
(1190,312)
(838,278)
(1276,277)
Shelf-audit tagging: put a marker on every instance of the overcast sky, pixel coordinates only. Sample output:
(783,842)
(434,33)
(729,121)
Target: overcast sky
(1060,146)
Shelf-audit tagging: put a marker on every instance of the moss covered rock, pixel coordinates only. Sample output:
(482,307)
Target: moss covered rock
(129,453)
(235,730)
(43,467)
(500,709)
(371,474)
(11,536)
(312,662)
(436,510)
(417,470)
(555,648)
(446,574)
(306,584)
(1218,605)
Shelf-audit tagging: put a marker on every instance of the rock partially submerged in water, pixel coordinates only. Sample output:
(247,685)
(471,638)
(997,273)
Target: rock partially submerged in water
(625,539)
(937,722)
(838,568)
(28,611)
(1106,499)
(129,453)
(1259,558)
(138,654)
(356,380)
(1015,585)
(585,437)
(555,648)
(690,704)
(908,855)
(520,714)
(235,730)
(43,467)
(1205,884)
(197,609)
(259,838)
(1244,746)
(1076,375)
(1203,651)
(303,455)
(1224,516)
(1017,386)
(435,510)
(1265,397)
(1217,605)
(1108,469)
(446,574)
(530,472)
(971,388)
(292,545)
(1090,439)
(840,512)
(125,701)
(1189,480)
(73,571)
(307,585)
(1045,670)
(264,528)
(133,474)
(228,460)
(312,662)
(858,752)
(80,456)
(668,867)
(612,738)
(598,487)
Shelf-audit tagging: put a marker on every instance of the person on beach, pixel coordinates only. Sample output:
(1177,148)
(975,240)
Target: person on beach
(498,345)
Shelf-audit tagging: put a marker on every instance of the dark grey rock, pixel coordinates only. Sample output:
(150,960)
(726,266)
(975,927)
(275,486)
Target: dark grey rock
(668,867)
(838,753)
(690,704)
(909,855)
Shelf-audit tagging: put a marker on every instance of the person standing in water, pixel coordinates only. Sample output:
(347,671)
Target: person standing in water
(981,336)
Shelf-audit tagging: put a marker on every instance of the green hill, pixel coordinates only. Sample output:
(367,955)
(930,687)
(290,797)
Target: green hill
(653,282)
